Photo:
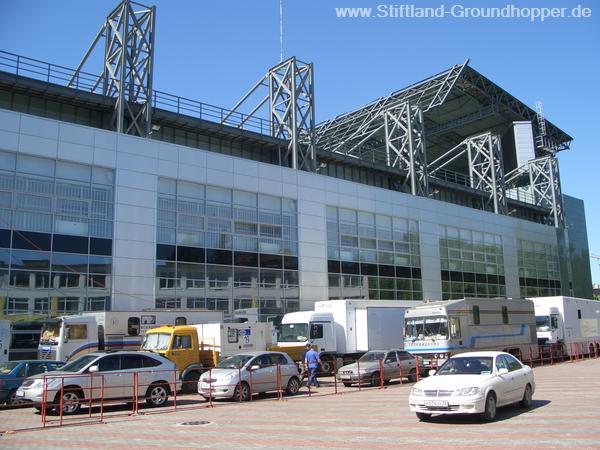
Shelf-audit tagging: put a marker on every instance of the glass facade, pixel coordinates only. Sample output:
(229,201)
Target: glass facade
(539,270)
(372,256)
(472,263)
(225,249)
(56,222)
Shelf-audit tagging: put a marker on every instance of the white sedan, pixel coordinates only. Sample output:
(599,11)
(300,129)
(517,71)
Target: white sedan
(473,383)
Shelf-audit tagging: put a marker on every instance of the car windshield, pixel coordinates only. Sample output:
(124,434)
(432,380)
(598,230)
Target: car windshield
(293,332)
(156,341)
(233,362)
(79,363)
(372,356)
(542,323)
(50,333)
(422,328)
(7,367)
(467,365)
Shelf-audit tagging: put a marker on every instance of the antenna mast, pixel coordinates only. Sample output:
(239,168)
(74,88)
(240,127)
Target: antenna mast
(281,30)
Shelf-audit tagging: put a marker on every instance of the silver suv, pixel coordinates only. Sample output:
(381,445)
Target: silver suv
(110,375)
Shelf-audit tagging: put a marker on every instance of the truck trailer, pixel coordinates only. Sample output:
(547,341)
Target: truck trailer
(195,348)
(436,330)
(68,337)
(567,325)
(343,330)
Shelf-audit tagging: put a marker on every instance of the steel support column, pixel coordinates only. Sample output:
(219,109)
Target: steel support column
(405,145)
(290,101)
(486,170)
(128,44)
(544,180)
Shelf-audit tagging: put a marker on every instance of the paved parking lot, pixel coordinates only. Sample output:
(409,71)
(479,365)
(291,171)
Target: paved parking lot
(565,413)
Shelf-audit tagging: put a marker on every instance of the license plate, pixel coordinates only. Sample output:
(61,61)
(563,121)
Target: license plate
(46,349)
(436,403)
(20,394)
(344,377)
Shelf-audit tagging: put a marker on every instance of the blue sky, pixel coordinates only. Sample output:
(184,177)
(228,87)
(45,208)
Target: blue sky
(214,51)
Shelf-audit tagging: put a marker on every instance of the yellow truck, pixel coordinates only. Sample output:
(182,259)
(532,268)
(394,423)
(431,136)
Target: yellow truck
(196,348)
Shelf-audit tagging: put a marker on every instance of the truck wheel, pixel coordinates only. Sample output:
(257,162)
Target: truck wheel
(375,380)
(293,386)
(489,413)
(347,384)
(423,417)
(242,394)
(157,395)
(190,382)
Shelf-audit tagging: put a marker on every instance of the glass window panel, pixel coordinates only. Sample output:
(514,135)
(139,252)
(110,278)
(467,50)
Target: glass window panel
(218,194)
(192,190)
(243,198)
(72,171)
(34,165)
(269,202)
(33,260)
(65,262)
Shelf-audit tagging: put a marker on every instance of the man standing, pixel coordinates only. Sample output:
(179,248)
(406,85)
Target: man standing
(311,362)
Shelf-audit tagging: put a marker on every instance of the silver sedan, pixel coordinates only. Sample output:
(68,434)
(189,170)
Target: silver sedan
(377,364)
(240,376)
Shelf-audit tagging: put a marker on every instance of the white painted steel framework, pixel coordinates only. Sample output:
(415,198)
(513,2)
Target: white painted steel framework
(544,179)
(486,172)
(290,102)
(127,38)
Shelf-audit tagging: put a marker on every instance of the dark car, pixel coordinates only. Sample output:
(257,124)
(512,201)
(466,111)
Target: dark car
(12,374)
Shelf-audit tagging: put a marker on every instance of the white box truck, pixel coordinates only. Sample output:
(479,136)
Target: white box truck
(567,324)
(343,330)
(5,337)
(195,348)
(68,337)
(435,330)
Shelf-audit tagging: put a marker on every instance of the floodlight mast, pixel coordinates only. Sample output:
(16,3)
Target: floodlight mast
(127,40)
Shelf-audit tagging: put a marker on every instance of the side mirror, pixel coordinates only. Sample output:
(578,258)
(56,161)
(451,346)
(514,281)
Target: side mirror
(93,369)
(502,371)
(432,372)
(254,367)
(66,336)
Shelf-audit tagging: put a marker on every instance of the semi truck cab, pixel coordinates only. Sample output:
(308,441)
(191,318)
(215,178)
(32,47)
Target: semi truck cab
(298,328)
(549,327)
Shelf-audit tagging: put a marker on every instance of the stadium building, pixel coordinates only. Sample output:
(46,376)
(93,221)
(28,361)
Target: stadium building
(114,195)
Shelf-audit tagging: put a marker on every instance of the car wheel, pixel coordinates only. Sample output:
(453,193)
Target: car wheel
(347,384)
(242,392)
(157,395)
(293,386)
(489,413)
(423,417)
(375,380)
(526,401)
(71,401)
(412,375)
(190,383)
(12,399)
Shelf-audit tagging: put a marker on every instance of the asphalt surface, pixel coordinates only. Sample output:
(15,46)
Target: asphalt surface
(565,413)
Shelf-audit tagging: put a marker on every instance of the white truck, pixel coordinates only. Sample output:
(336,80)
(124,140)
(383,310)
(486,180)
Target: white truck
(68,337)
(343,330)
(567,325)
(5,337)
(195,348)
(435,330)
